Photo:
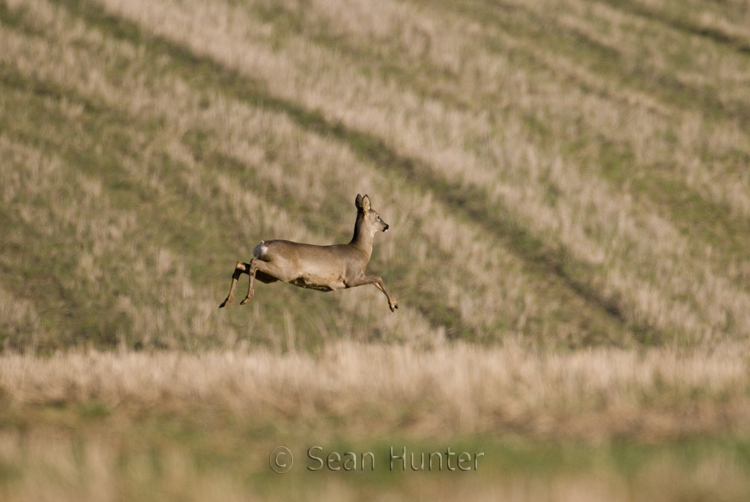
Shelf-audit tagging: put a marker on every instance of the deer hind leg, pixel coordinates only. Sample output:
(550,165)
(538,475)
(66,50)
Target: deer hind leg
(251,288)
(267,272)
(239,269)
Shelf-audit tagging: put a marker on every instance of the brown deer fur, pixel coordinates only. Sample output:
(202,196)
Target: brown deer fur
(324,268)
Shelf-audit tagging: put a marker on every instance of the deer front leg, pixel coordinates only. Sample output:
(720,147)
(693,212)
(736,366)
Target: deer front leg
(392,303)
(239,269)
(378,282)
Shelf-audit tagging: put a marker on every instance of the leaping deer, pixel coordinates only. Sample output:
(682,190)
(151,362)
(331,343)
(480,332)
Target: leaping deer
(325,268)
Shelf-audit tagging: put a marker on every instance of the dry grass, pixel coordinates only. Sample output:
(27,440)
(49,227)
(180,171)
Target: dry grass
(108,426)
(593,395)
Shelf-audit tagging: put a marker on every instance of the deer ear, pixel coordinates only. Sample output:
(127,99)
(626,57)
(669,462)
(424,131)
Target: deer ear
(358,201)
(365,203)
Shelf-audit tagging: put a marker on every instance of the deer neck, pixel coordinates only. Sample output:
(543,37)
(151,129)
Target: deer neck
(363,237)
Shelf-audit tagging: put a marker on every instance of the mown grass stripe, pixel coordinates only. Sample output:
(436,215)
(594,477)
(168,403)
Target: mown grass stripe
(572,281)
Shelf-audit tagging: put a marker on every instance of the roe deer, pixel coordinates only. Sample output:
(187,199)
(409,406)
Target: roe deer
(325,268)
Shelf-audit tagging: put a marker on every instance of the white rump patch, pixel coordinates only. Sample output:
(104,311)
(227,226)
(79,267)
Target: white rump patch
(260,250)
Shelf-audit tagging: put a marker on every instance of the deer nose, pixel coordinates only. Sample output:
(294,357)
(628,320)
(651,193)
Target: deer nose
(385,229)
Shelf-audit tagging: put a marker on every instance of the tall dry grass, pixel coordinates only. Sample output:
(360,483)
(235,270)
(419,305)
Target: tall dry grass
(594,395)
(111,426)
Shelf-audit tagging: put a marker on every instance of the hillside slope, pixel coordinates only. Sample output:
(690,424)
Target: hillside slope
(565,173)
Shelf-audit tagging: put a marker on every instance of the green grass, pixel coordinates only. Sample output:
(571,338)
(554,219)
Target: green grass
(166,457)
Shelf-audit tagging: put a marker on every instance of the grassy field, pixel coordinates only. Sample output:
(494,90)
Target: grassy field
(568,196)
(597,424)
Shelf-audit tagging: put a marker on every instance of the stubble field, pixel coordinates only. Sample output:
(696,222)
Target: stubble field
(567,188)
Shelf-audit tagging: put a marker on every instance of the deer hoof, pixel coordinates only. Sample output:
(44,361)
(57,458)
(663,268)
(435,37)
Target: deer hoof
(245,300)
(393,307)
(224,304)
